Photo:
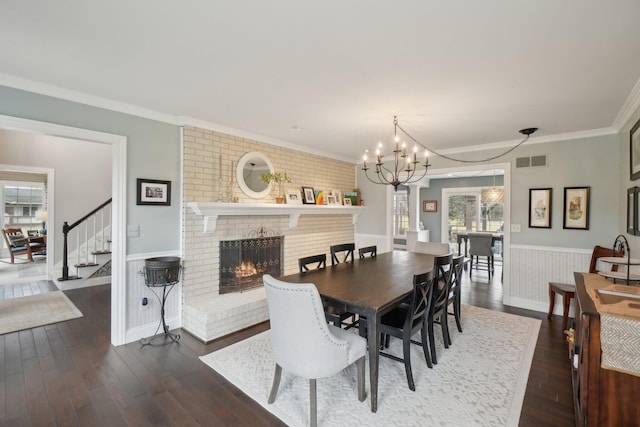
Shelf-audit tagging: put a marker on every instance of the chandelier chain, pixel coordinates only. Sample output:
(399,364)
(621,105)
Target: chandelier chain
(444,156)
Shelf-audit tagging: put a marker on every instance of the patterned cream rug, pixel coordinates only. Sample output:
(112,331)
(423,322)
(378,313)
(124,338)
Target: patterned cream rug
(479,381)
(32,311)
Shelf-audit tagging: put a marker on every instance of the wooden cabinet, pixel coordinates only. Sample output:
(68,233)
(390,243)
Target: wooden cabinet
(602,397)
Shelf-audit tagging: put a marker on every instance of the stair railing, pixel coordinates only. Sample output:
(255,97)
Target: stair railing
(66,229)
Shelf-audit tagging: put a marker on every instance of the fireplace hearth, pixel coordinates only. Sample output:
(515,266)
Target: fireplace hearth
(243,262)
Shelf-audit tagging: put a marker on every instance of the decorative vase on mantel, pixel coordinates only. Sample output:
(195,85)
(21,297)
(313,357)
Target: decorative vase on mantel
(278,178)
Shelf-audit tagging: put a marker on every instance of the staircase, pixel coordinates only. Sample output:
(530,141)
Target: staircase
(86,258)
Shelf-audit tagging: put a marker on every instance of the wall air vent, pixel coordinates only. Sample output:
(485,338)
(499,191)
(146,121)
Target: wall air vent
(525,162)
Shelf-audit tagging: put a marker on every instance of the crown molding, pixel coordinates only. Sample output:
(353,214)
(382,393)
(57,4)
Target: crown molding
(190,121)
(630,106)
(84,98)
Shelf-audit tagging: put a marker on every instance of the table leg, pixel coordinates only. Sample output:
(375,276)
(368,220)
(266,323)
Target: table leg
(373,339)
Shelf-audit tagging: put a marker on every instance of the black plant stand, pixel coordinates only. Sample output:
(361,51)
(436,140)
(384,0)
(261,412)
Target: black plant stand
(166,336)
(163,272)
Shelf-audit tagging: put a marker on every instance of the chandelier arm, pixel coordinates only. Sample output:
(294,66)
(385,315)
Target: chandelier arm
(379,182)
(462,160)
(417,179)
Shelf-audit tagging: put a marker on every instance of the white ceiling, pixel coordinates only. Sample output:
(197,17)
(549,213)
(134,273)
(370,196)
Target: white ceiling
(457,73)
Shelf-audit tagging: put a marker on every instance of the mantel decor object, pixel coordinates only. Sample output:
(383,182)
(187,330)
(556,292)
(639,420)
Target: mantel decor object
(277,178)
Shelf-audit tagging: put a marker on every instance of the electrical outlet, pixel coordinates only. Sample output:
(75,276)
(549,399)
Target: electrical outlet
(515,228)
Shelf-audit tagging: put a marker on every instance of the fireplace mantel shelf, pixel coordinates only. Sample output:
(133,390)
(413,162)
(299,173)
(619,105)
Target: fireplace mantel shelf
(212,210)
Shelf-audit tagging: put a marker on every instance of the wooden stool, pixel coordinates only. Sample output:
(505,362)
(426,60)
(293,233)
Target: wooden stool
(567,291)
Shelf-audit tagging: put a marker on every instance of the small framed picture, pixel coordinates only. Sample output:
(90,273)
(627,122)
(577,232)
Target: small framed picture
(430,206)
(331,199)
(338,195)
(540,208)
(294,197)
(347,202)
(576,208)
(308,196)
(153,192)
(632,210)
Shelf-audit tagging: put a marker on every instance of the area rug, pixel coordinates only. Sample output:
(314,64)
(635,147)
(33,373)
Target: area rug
(479,381)
(32,311)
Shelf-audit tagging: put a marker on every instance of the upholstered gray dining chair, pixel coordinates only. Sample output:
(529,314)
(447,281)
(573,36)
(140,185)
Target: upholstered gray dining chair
(308,347)
(480,246)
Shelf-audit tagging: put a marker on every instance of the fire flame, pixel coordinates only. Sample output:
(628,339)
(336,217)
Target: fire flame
(246,269)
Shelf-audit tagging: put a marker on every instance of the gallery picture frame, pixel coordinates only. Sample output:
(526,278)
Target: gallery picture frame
(308,196)
(429,206)
(153,192)
(634,151)
(635,211)
(576,208)
(540,207)
(632,210)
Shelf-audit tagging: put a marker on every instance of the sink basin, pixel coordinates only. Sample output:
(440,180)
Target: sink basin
(618,294)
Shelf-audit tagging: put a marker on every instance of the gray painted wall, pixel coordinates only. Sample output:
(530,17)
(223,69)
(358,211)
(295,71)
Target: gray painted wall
(153,152)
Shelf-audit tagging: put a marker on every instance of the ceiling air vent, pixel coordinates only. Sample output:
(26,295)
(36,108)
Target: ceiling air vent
(525,162)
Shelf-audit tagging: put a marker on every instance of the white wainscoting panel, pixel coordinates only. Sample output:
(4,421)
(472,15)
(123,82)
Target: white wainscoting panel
(533,267)
(379,240)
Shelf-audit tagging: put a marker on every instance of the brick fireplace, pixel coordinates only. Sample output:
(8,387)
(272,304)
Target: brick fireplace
(206,313)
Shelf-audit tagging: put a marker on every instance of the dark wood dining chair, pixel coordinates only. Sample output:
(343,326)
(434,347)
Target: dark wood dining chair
(333,315)
(454,299)
(442,267)
(372,251)
(347,248)
(404,321)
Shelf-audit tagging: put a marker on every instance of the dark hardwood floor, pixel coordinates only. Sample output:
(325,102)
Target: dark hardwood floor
(68,374)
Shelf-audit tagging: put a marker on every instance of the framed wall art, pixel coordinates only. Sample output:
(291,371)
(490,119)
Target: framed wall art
(576,208)
(633,210)
(634,151)
(540,207)
(153,192)
(429,206)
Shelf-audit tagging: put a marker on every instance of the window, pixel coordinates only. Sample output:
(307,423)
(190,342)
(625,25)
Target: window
(400,213)
(21,201)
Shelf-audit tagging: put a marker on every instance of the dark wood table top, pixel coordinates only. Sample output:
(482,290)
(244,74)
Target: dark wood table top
(369,284)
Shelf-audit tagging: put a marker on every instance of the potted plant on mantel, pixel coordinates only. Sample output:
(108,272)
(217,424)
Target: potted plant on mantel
(278,178)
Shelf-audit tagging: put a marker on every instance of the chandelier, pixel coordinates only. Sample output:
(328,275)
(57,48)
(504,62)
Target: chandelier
(404,165)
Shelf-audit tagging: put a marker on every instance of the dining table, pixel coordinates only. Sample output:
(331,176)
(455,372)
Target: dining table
(369,287)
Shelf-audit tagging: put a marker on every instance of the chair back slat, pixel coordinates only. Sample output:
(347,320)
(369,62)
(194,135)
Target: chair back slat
(319,260)
(421,300)
(347,248)
(371,250)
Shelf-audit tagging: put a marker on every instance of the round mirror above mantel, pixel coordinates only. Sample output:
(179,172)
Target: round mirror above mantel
(250,167)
